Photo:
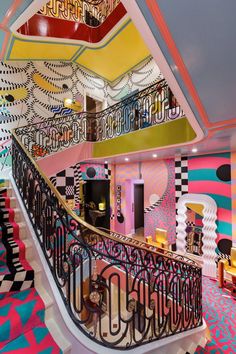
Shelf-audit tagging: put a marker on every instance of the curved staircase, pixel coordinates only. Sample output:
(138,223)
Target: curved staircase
(22,309)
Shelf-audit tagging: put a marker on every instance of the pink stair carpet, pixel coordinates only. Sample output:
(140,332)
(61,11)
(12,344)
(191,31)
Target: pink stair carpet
(22,311)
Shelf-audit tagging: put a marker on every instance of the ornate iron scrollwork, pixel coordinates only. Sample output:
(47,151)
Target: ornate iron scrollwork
(79,10)
(151,106)
(120,292)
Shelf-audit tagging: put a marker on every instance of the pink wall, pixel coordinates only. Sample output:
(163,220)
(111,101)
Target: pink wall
(164,214)
(122,173)
(54,163)
(155,175)
(159,183)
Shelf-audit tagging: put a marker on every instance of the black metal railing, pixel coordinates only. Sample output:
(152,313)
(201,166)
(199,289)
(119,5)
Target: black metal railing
(151,106)
(93,13)
(121,293)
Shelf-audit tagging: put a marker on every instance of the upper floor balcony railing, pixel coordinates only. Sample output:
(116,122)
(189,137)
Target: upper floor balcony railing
(151,106)
(90,12)
(75,20)
(120,292)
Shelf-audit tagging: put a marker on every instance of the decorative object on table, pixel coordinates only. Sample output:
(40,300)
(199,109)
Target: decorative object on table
(102,206)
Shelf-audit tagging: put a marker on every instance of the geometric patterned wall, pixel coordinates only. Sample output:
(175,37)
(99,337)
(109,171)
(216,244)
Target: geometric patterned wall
(159,194)
(68,181)
(31,92)
(165,181)
(162,214)
(233,195)
(137,79)
(211,175)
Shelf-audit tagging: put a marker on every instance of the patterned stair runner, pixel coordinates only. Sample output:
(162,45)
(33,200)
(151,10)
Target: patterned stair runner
(219,312)
(22,311)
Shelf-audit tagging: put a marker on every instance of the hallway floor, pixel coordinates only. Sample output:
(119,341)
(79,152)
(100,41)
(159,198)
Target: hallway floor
(139,234)
(219,310)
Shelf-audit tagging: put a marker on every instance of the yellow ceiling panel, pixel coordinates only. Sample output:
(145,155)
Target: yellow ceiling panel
(29,50)
(118,55)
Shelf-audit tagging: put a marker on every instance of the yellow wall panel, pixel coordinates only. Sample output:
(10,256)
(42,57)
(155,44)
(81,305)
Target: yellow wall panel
(44,84)
(116,56)
(26,50)
(178,131)
(18,94)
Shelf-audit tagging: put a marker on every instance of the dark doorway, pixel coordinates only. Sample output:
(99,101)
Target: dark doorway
(92,106)
(138,206)
(97,203)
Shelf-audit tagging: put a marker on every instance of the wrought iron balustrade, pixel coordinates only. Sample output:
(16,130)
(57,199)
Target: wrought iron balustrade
(151,106)
(121,293)
(92,13)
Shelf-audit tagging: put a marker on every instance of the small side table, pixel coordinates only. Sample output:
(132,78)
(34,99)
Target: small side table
(94,214)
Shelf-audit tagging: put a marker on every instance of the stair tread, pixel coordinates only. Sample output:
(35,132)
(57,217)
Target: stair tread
(22,308)
(36,340)
(57,333)
(19,312)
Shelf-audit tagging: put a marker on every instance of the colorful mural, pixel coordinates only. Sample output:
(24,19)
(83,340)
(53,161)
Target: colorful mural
(164,182)
(68,181)
(34,91)
(94,171)
(159,197)
(211,175)
(233,195)
(140,77)
(163,213)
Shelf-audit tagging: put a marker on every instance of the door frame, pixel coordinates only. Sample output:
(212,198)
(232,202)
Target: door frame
(129,203)
(95,97)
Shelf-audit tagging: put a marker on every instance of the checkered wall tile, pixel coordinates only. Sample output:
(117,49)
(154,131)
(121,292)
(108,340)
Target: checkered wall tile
(181,181)
(78,179)
(155,205)
(181,177)
(65,183)
(190,223)
(107,171)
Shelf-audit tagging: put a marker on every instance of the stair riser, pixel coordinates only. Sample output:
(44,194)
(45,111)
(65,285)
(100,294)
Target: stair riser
(22,231)
(5,184)
(17,217)
(9,192)
(28,251)
(13,202)
(20,279)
